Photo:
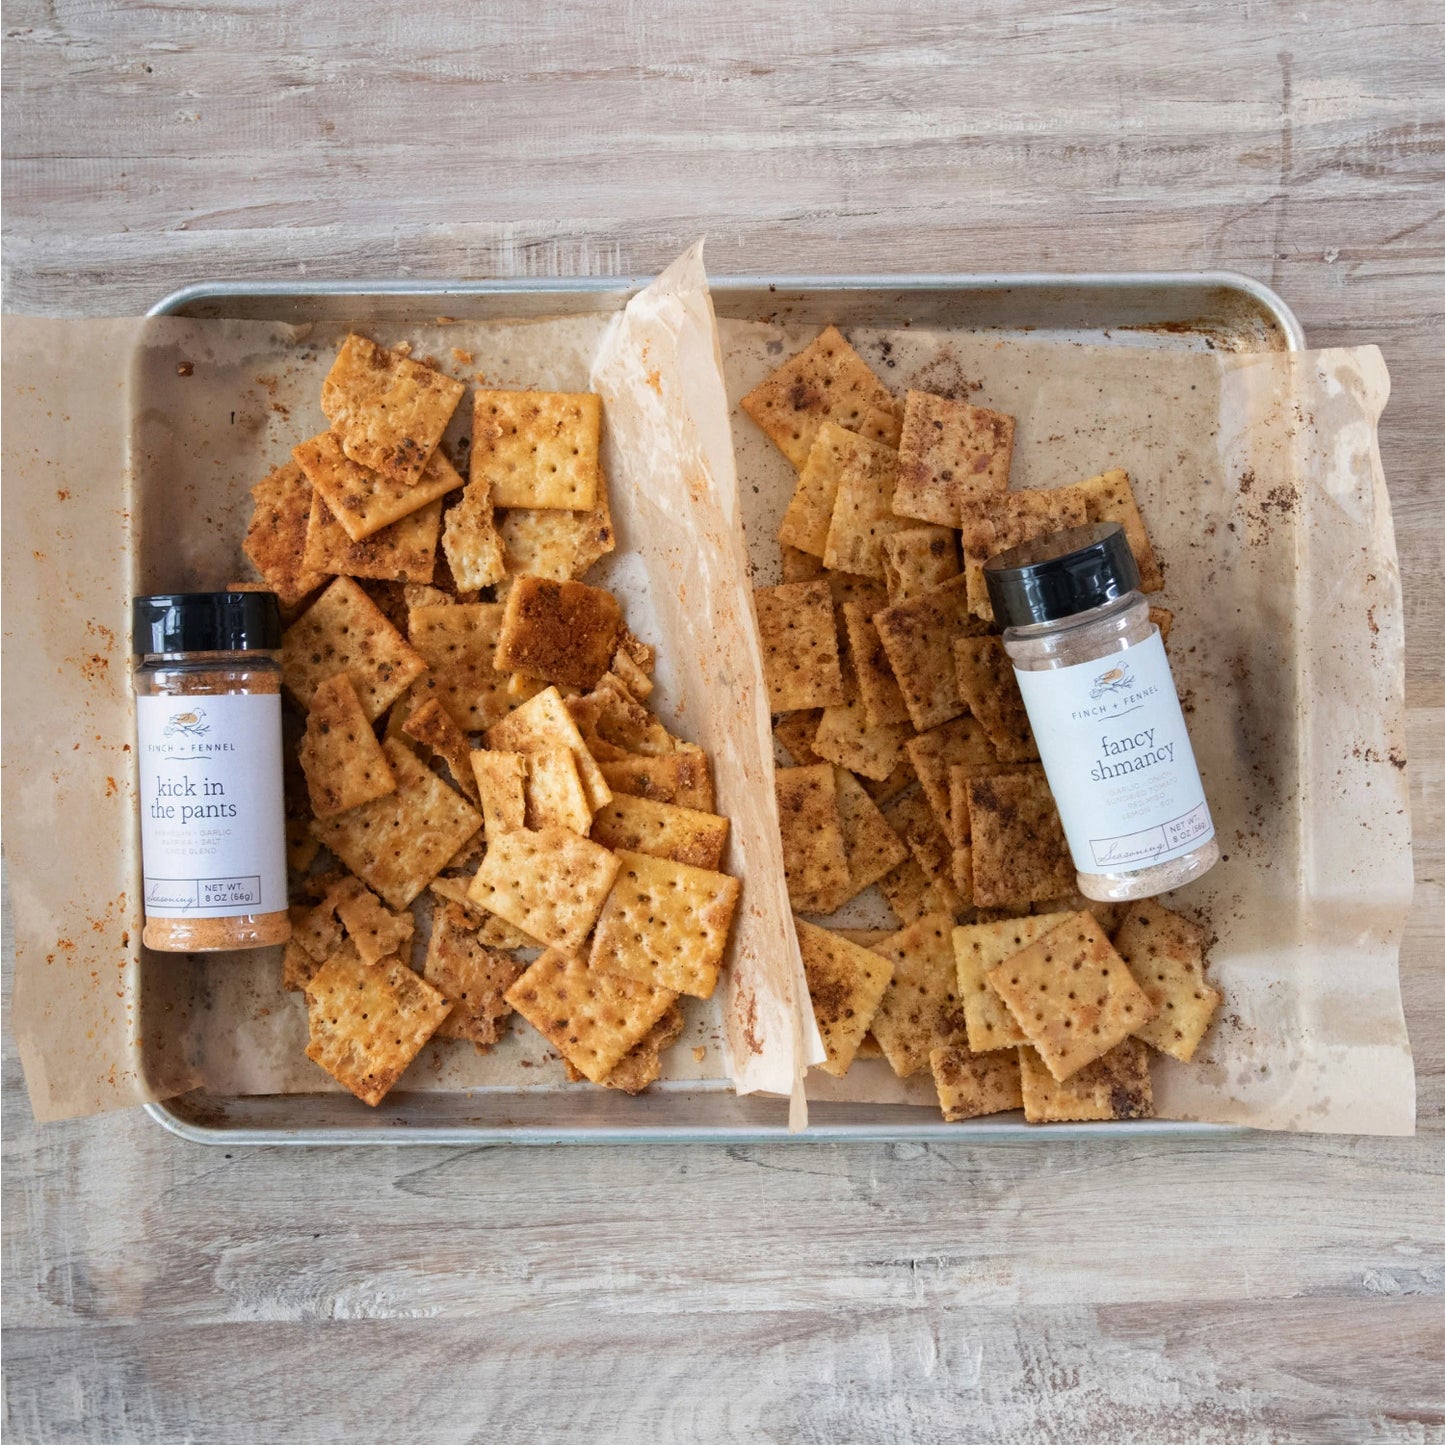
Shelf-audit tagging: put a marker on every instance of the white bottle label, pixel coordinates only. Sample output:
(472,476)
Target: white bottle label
(213,820)
(1112,739)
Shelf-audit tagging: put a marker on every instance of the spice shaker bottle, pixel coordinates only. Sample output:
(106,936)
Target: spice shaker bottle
(208,731)
(1104,711)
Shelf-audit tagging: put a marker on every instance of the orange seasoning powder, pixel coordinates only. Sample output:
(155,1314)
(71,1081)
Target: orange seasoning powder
(208,730)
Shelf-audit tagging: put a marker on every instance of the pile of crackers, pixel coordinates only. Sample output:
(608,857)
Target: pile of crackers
(484,816)
(914,767)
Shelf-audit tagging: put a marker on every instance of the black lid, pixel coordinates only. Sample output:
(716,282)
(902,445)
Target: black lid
(207,622)
(1063,573)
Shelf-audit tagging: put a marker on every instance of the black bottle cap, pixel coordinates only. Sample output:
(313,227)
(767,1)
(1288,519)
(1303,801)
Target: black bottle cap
(207,622)
(1061,574)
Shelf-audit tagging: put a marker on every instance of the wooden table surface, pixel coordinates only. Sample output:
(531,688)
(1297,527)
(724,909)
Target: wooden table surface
(1262,1288)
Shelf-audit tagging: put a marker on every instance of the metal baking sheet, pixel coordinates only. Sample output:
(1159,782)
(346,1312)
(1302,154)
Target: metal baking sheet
(1190,310)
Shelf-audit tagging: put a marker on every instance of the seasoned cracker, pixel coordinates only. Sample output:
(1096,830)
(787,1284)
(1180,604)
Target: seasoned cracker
(630,675)
(878,691)
(377,931)
(1071,994)
(1020,855)
(1109,498)
(1010,521)
(971,1085)
(951,455)
(1165,953)
(884,790)
(863,510)
(470,539)
(368,1021)
(458,643)
(431,725)
(641,1065)
(804,528)
(544,722)
(918,559)
(315,936)
(665,923)
(388,411)
(799,638)
(920,1010)
(344,631)
(298,968)
(826,381)
(908,891)
(562,632)
(363,501)
(986,683)
(846,982)
(815,858)
(550,883)
(404,552)
(1116,1086)
(800,566)
(796,731)
(554,792)
(684,778)
(472,977)
(399,843)
(844,738)
(342,760)
(544,542)
(491,931)
(933,754)
(538,449)
(612,720)
(663,830)
(872,847)
(276,539)
(978,949)
(592,1019)
(918,637)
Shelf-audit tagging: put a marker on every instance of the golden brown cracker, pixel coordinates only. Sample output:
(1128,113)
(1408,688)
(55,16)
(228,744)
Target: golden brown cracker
(971,1085)
(804,528)
(641,1065)
(458,643)
(1116,1086)
(431,725)
(796,731)
(987,685)
(561,632)
(918,559)
(815,858)
(800,566)
(404,552)
(1020,855)
(845,739)
(920,1010)
(538,449)
(470,539)
(342,760)
(276,538)
(501,779)
(554,792)
(933,754)
(878,690)
(863,510)
(544,542)
(684,778)
(663,830)
(918,637)
(799,637)
(1165,954)
(1009,521)
(472,977)
(846,982)
(363,501)
(951,455)
(1109,498)
(544,722)
(978,949)
(872,847)
(491,931)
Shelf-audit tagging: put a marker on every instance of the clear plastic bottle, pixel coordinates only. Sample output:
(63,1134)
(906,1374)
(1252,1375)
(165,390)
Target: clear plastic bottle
(1104,711)
(208,733)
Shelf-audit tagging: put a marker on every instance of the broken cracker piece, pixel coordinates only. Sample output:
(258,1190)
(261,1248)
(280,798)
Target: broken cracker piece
(431,725)
(871,845)
(501,780)
(846,983)
(473,978)
(470,540)
(918,559)
(276,538)
(554,792)
(804,528)
(543,721)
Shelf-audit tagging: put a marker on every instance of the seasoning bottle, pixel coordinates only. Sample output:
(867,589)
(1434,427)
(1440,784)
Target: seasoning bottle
(1104,712)
(208,730)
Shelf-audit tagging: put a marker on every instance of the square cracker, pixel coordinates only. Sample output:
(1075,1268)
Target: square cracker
(549,883)
(683,777)
(863,510)
(934,753)
(399,843)
(544,722)
(1020,855)
(878,691)
(470,539)
(363,501)
(872,847)
(342,760)
(796,731)
(799,637)
(1165,953)
(1071,994)
(562,632)
(1116,1086)
(970,1086)
(918,559)
(538,449)
(846,983)
(815,858)
(501,780)
(665,923)
(826,381)
(431,725)
(844,737)
(344,631)
(951,455)
(544,542)
(662,830)
(592,1019)
(458,643)
(1109,498)
(388,411)
(276,539)
(472,977)
(376,930)
(404,552)
(368,1021)
(1010,521)
(804,528)
(978,949)
(918,637)
(920,1011)
(986,682)
(554,792)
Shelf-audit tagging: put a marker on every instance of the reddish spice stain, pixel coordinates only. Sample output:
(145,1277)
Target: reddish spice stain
(63,494)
